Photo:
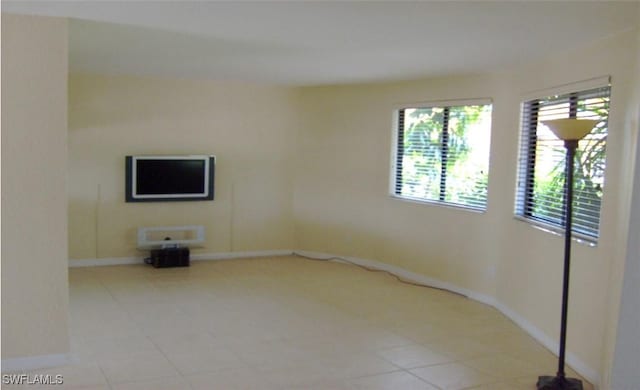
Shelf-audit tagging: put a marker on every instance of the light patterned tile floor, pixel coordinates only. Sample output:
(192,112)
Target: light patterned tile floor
(285,323)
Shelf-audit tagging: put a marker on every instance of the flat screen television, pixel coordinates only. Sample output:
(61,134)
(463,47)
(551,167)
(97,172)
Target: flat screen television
(169,178)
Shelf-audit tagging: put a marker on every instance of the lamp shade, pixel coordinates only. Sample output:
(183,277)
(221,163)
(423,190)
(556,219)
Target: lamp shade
(571,129)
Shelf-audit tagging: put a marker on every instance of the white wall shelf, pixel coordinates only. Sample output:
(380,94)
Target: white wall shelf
(159,237)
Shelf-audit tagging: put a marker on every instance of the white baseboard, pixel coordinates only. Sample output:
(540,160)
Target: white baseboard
(241,255)
(572,360)
(73,263)
(194,257)
(23,364)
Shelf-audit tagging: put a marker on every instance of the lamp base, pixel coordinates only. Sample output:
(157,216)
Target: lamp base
(558,383)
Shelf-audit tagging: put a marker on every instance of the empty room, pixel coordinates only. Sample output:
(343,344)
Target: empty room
(320,195)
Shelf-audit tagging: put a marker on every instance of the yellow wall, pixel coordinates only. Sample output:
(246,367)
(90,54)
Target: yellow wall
(249,128)
(341,202)
(34,194)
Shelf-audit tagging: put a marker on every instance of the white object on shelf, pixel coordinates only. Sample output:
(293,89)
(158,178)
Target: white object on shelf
(159,237)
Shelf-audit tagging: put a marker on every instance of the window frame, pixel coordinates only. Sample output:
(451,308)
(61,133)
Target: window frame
(572,95)
(398,149)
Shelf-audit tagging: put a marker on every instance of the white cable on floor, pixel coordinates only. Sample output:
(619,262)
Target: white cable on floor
(398,278)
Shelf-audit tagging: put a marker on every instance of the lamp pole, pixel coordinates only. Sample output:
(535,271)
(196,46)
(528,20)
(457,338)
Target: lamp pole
(570,145)
(571,131)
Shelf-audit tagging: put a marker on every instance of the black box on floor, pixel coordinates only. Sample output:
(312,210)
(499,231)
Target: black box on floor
(170,257)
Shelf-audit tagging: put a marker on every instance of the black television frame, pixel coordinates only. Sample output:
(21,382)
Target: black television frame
(130,193)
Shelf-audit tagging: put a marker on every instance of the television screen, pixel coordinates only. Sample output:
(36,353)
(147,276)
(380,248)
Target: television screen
(169,178)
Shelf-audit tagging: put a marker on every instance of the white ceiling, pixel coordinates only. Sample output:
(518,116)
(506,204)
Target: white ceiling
(323,42)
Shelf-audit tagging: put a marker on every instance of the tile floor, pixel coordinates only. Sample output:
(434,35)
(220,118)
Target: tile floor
(285,323)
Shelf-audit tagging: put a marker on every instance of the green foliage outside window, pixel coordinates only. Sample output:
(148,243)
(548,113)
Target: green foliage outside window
(444,154)
(542,180)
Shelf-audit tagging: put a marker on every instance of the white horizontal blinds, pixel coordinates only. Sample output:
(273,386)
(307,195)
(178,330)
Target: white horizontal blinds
(443,154)
(541,173)
(419,164)
(468,163)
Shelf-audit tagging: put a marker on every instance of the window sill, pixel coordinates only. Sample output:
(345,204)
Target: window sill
(437,203)
(556,231)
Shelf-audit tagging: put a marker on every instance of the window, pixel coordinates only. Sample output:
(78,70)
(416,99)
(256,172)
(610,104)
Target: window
(442,154)
(541,173)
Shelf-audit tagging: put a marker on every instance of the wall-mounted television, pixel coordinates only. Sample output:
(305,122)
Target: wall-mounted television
(169,178)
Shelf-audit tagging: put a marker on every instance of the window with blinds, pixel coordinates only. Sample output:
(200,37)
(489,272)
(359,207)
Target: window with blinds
(442,154)
(541,175)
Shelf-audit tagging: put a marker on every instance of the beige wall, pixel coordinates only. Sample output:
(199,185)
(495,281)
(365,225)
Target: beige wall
(624,373)
(341,202)
(34,193)
(249,128)
(309,169)
(530,284)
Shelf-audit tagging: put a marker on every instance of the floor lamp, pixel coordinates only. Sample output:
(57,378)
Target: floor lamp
(570,131)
